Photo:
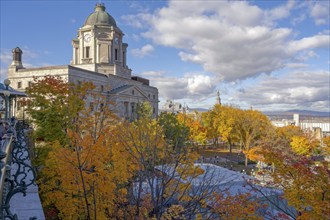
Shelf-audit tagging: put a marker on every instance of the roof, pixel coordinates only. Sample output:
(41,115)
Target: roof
(219,178)
(100,17)
(120,89)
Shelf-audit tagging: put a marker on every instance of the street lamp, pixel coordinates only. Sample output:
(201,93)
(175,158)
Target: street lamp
(7,83)
(7,100)
(6,93)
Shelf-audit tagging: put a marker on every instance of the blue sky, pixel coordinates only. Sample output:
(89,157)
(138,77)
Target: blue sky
(271,55)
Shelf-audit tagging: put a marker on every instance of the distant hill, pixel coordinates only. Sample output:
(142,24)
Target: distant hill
(300,112)
(281,113)
(198,109)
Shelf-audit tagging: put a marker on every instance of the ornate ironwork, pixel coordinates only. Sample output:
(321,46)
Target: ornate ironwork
(19,181)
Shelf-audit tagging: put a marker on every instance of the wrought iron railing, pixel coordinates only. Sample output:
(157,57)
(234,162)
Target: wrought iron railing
(16,172)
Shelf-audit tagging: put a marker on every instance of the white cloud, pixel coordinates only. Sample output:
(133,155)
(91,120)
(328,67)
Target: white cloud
(153,73)
(232,39)
(199,85)
(3,74)
(144,51)
(280,12)
(6,57)
(193,86)
(137,21)
(299,19)
(297,65)
(317,41)
(320,11)
(304,90)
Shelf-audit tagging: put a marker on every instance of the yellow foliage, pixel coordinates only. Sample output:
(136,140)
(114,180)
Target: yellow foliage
(302,145)
(255,154)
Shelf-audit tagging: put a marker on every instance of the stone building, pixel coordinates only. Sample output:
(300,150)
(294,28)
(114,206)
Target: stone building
(99,56)
(173,107)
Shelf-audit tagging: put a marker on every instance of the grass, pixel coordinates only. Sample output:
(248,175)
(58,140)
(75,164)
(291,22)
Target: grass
(235,160)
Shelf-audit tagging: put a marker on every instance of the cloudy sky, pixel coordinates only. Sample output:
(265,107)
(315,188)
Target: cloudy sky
(271,55)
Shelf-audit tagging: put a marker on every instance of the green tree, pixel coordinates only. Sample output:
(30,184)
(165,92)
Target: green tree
(176,133)
(47,107)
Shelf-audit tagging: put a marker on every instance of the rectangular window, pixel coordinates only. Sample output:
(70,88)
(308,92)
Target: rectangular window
(19,105)
(19,85)
(76,56)
(126,107)
(116,54)
(87,52)
(154,110)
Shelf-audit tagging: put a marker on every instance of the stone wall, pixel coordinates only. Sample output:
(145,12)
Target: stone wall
(24,76)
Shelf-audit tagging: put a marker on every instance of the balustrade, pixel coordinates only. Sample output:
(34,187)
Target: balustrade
(16,173)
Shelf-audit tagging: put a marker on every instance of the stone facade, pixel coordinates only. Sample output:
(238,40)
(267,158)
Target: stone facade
(99,56)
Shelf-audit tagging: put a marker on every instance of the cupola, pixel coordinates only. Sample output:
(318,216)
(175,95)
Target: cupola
(100,17)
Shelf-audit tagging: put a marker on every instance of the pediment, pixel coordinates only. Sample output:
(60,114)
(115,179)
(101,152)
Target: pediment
(129,90)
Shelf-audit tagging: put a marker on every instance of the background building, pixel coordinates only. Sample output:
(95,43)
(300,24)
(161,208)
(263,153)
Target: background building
(319,127)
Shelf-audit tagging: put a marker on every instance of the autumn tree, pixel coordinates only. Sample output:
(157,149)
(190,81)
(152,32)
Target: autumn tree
(208,119)
(326,146)
(78,177)
(162,172)
(47,107)
(197,132)
(239,206)
(251,126)
(303,145)
(225,122)
(305,182)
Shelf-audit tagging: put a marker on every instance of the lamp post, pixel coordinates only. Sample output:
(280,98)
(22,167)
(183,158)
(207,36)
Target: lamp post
(7,98)
(6,94)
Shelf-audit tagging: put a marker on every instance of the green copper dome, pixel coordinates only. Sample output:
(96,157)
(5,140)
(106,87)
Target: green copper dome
(100,17)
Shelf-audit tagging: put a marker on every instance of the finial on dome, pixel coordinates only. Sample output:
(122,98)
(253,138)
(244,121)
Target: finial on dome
(99,6)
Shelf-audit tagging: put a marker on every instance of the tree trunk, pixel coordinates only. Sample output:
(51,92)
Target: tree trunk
(230,147)
(84,187)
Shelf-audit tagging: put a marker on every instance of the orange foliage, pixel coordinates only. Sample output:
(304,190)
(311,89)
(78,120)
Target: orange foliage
(239,206)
